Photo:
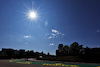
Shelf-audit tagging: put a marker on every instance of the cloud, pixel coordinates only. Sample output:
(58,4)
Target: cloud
(28,36)
(55,33)
(98,30)
(50,37)
(51,44)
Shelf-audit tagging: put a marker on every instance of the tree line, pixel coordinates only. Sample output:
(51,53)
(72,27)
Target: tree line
(11,53)
(75,50)
(78,50)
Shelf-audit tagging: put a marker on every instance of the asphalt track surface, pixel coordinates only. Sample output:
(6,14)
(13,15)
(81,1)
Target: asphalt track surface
(6,63)
(20,63)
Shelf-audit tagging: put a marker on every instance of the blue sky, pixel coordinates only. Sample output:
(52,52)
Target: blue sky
(59,21)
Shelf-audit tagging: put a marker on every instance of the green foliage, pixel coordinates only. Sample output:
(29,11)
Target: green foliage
(89,54)
(74,49)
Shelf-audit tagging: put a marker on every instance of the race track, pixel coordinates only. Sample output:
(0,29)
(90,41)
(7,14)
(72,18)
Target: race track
(6,63)
(21,63)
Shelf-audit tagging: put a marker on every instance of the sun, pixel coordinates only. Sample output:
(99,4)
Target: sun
(32,15)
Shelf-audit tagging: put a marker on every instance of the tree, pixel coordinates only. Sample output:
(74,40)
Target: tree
(48,53)
(10,53)
(60,47)
(57,53)
(42,52)
(81,50)
(65,50)
(87,52)
(74,49)
(31,53)
(27,55)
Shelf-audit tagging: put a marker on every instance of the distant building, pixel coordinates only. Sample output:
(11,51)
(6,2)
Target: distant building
(5,50)
(16,52)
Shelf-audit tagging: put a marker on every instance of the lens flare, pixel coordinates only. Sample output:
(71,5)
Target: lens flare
(32,15)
